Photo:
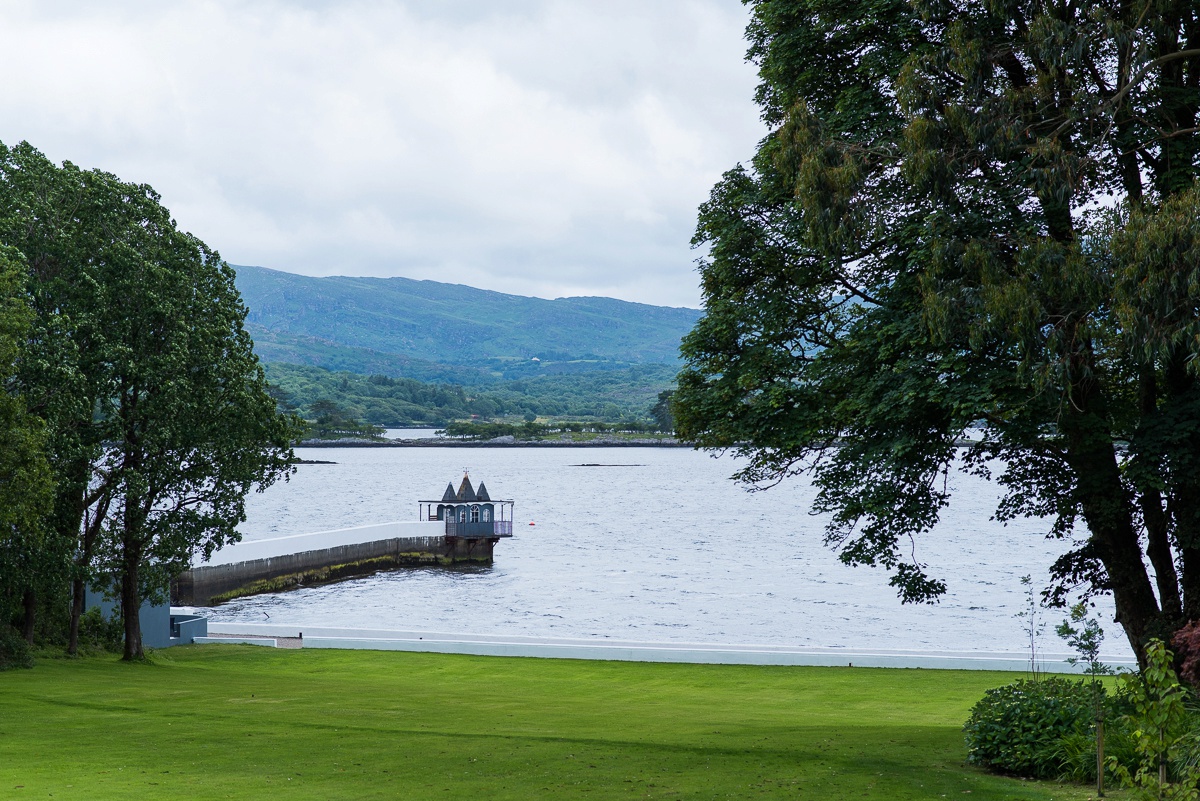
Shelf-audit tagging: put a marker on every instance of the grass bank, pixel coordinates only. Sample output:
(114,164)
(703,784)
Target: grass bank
(241,722)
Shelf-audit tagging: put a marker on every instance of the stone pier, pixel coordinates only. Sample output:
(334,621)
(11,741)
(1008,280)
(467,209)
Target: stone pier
(281,563)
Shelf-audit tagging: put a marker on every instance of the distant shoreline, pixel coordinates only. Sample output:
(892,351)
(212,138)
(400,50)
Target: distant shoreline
(454,443)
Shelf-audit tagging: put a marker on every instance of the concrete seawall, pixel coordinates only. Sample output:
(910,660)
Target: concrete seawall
(282,563)
(633,651)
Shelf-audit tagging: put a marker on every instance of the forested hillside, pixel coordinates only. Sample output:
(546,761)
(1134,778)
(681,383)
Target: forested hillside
(627,394)
(399,327)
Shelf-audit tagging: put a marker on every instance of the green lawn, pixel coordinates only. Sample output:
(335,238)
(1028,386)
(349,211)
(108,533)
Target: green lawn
(223,721)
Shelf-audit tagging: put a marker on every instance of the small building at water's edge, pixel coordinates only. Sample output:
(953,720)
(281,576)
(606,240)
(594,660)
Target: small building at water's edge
(470,514)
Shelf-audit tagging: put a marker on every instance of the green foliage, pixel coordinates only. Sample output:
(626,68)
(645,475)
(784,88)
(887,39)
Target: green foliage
(344,323)
(1018,728)
(1075,754)
(100,633)
(1031,622)
(530,430)
(1084,635)
(1163,732)
(927,244)
(14,651)
(332,422)
(156,410)
(401,402)
(663,413)
(26,488)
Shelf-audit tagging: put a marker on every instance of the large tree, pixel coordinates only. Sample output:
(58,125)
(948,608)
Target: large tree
(157,410)
(189,428)
(25,479)
(969,216)
(59,220)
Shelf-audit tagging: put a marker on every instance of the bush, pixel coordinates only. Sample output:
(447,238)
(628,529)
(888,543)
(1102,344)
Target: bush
(14,651)
(98,633)
(1018,728)
(1076,752)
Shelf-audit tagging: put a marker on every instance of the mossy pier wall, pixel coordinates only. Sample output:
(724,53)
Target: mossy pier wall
(257,566)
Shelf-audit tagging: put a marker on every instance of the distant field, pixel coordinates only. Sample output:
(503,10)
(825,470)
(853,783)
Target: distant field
(240,722)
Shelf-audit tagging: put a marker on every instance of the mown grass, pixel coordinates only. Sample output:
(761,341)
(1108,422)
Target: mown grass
(241,722)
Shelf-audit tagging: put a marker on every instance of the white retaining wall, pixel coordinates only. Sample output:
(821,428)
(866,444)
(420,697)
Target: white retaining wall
(602,649)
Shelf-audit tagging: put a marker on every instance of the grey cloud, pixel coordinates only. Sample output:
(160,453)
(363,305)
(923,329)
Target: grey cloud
(545,148)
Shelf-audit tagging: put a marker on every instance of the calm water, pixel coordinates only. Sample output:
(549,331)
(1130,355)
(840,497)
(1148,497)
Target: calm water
(656,545)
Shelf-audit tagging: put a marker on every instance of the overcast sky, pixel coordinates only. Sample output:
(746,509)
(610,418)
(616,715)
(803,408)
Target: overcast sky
(549,148)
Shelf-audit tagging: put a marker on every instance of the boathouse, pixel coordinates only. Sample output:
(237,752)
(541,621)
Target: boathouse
(470,513)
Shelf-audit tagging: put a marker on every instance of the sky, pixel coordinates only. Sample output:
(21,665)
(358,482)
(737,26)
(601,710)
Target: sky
(538,147)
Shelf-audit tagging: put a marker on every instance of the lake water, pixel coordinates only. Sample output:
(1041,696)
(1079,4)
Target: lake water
(656,545)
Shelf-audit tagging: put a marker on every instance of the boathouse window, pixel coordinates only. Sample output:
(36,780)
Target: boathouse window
(462,514)
(487,515)
(474,514)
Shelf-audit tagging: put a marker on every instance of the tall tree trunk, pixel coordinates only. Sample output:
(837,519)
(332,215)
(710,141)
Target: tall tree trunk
(88,526)
(1183,493)
(1108,510)
(131,602)
(76,526)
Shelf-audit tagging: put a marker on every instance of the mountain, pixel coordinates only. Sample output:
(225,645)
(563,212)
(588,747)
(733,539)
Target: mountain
(611,395)
(402,327)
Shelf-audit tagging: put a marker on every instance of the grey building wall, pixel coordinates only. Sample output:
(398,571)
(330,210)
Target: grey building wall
(160,627)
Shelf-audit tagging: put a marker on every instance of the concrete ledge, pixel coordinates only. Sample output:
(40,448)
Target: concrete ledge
(268,642)
(213,583)
(628,651)
(709,656)
(250,550)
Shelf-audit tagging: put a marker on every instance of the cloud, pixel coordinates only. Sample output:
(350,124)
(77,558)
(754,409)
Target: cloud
(546,148)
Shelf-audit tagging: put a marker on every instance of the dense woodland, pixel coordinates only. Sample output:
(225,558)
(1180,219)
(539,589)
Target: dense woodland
(627,395)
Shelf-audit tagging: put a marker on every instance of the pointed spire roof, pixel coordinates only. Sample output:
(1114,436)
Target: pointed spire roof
(482,494)
(448,495)
(465,491)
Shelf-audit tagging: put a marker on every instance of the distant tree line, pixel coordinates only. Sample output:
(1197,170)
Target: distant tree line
(634,394)
(134,416)
(532,430)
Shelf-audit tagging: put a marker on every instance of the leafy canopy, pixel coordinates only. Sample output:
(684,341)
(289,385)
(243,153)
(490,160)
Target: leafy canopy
(968,217)
(157,418)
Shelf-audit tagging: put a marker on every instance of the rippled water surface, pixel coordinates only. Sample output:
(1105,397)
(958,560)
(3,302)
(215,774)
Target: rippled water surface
(657,544)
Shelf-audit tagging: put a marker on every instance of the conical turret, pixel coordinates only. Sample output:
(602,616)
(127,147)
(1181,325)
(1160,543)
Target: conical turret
(465,491)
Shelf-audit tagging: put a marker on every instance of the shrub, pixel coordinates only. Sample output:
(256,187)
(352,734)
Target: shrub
(1017,728)
(1164,731)
(98,633)
(1076,752)
(14,651)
